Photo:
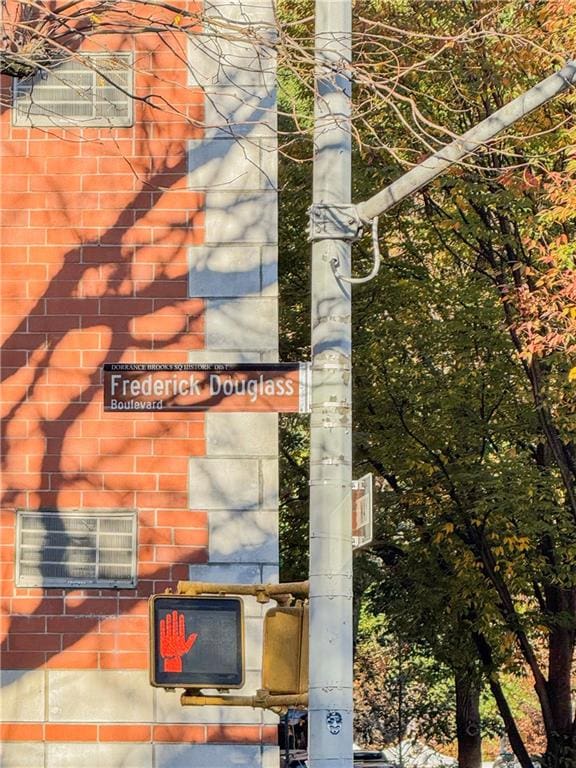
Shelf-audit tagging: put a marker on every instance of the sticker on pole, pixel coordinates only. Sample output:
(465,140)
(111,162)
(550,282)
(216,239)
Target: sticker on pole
(334,722)
(246,387)
(362,515)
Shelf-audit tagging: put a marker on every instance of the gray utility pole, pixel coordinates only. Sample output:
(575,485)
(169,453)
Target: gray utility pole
(330,673)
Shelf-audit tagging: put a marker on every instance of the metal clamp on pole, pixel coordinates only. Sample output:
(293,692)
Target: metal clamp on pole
(342,222)
(334,222)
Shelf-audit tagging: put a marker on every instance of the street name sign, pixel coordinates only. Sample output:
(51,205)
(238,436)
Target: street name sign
(247,387)
(362,514)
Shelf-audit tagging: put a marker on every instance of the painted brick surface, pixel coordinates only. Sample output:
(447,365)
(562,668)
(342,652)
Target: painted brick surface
(112,251)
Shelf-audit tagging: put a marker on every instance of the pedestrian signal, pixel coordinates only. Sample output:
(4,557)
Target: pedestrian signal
(196,642)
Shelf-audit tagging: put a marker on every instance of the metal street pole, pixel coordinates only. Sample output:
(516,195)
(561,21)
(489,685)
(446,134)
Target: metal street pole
(429,169)
(331,655)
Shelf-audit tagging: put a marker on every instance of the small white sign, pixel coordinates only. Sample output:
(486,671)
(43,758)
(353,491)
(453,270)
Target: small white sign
(362,515)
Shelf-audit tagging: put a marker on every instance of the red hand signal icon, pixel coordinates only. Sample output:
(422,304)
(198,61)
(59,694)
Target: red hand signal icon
(173,642)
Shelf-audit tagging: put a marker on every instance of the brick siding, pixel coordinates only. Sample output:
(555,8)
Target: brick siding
(98,228)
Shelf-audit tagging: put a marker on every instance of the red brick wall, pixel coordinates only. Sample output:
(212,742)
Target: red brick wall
(94,270)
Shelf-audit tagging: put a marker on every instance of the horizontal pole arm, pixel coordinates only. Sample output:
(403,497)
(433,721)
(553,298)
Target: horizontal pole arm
(261,700)
(429,169)
(262,592)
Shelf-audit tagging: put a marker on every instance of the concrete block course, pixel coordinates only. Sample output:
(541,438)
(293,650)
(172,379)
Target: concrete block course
(271,574)
(225,271)
(269,356)
(169,710)
(97,696)
(271,755)
(252,682)
(23,754)
(232,60)
(232,111)
(206,756)
(243,536)
(230,356)
(99,755)
(242,484)
(253,639)
(241,434)
(227,573)
(22,697)
(233,270)
(236,217)
(242,324)
(228,163)
(223,484)
(237,573)
(250,11)
(269,267)
(270,484)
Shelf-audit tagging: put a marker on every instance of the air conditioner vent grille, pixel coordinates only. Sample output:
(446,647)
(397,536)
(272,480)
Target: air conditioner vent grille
(76,549)
(85,91)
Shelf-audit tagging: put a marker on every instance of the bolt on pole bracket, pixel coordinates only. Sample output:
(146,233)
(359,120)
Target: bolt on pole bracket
(334,222)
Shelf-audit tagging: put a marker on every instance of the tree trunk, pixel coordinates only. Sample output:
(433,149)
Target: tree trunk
(561,746)
(561,650)
(560,753)
(468,721)
(514,737)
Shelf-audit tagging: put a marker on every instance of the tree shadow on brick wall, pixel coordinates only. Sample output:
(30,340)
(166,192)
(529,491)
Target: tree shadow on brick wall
(102,305)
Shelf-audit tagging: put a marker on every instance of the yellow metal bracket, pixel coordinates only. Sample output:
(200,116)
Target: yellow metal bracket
(281,593)
(263,699)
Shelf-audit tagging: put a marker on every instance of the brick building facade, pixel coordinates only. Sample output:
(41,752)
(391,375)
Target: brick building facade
(149,242)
